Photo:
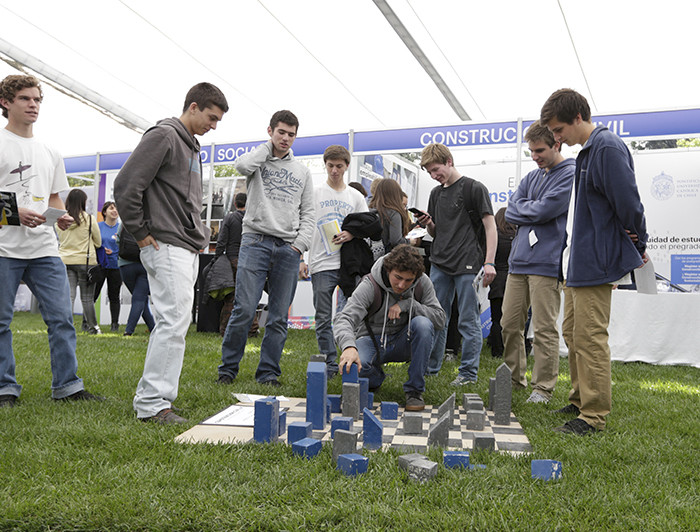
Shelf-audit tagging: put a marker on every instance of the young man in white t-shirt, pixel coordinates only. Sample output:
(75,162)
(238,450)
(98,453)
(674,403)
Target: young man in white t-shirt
(29,252)
(333,201)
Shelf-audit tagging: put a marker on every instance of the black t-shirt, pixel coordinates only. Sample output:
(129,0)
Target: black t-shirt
(455,248)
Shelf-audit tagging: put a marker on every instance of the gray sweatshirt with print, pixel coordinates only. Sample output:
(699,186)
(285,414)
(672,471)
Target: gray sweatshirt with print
(280,196)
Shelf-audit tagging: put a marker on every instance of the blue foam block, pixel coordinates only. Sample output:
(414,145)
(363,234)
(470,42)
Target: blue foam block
(316,395)
(308,447)
(454,459)
(352,464)
(328,411)
(340,422)
(283,423)
(353,376)
(389,410)
(335,400)
(364,390)
(266,424)
(370,400)
(298,430)
(546,469)
(372,430)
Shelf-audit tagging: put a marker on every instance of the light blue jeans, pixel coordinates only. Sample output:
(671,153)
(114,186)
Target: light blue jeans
(172,272)
(46,278)
(261,258)
(399,347)
(469,325)
(324,284)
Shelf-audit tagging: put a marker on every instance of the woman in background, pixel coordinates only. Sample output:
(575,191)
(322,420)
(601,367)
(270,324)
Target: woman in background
(75,245)
(110,271)
(388,202)
(136,280)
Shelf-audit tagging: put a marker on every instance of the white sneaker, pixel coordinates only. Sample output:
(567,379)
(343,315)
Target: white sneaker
(537,397)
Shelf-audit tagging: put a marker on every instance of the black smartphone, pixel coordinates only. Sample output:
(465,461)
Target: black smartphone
(417,212)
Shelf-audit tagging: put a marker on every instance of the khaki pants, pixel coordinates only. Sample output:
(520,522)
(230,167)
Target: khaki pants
(585,331)
(544,294)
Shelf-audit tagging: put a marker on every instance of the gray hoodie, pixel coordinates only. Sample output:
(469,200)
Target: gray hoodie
(349,323)
(280,196)
(158,191)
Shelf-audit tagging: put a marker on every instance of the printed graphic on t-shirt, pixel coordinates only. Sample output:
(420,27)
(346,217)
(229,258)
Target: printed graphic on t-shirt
(280,184)
(20,180)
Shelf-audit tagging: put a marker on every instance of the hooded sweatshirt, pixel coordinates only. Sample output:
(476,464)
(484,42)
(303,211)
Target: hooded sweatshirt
(159,189)
(349,323)
(280,196)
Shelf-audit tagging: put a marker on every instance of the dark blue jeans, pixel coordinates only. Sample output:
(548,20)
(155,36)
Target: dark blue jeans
(136,280)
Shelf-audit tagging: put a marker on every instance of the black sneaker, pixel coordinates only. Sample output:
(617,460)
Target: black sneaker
(414,402)
(576,426)
(165,417)
(568,409)
(225,379)
(7,400)
(272,382)
(82,395)
(114,327)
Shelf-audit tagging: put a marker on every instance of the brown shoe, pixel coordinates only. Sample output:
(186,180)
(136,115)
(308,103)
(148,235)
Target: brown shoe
(414,402)
(166,417)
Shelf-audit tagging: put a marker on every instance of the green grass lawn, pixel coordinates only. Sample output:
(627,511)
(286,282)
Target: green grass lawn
(95,467)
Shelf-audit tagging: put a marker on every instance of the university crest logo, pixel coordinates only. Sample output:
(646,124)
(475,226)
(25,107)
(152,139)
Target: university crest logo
(662,187)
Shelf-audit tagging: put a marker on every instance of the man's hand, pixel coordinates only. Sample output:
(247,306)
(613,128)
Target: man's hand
(303,270)
(425,221)
(634,238)
(645,259)
(148,241)
(65,221)
(394,312)
(295,249)
(342,237)
(108,251)
(348,357)
(32,218)
(489,274)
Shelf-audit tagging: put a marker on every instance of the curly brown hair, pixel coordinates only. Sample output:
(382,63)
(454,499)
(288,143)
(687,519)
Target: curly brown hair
(11,85)
(404,258)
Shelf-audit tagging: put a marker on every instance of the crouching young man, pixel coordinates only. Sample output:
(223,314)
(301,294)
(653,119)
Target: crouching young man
(391,317)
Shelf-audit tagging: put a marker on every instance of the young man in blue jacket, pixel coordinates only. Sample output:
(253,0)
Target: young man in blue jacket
(538,207)
(605,210)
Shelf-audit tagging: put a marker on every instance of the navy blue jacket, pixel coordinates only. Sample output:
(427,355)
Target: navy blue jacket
(607,203)
(540,204)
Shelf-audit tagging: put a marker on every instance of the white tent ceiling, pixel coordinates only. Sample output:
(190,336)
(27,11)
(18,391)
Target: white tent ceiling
(339,65)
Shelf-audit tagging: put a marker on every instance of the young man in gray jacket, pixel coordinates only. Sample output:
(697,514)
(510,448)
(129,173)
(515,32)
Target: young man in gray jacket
(277,229)
(402,326)
(159,196)
(538,207)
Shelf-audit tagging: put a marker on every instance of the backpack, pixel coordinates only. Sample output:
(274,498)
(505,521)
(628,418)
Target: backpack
(128,248)
(475,217)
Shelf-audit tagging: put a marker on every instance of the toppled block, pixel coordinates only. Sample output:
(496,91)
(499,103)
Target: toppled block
(372,430)
(412,423)
(340,422)
(308,447)
(350,405)
(335,403)
(448,407)
(344,442)
(422,470)
(454,459)
(546,469)
(439,433)
(476,419)
(266,424)
(389,410)
(406,459)
(316,394)
(352,375)
(352,464)
(298,430)
(485,441)
(364,390)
